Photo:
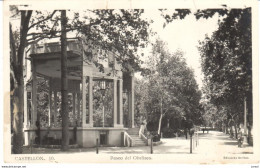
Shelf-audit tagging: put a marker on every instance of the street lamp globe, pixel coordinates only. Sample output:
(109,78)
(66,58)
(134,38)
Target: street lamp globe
(103,85)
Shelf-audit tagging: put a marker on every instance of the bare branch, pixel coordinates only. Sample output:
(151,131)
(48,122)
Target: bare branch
(40,37)
(25,19)
(47,18)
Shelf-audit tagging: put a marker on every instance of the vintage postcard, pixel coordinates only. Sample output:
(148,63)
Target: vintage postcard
(131,82)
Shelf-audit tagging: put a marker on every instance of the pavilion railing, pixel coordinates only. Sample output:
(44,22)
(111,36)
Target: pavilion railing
(141,134)
(128,141)
(54,47)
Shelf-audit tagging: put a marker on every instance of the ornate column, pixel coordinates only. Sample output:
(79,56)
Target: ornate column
(25,114)
(115,102)
(78,109)
(90,101)
(84,101)
(34,96)
(87,72)
(131,102)
(74,108)
(55,109)
(121,102)
(50,113)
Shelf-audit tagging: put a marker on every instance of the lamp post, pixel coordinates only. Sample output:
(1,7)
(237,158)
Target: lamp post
(103,89)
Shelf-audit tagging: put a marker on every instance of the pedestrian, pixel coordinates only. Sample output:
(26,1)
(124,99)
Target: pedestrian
(186,133)
(240,138)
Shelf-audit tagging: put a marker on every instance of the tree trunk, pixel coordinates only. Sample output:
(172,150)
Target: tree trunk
(18,120)
(64,84)
(226,127)
(231,132)
(236,131)
(160,120)
(160,123)
(18,90)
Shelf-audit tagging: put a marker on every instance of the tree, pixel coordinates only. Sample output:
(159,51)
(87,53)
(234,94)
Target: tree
(171,86)
(19,41)
(141,96)
(227,64)
(18,81)
(64,83)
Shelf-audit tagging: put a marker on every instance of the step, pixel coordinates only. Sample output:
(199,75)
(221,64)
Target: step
(140,142)
(135,129)
(131,132)
(136,138)
(140,145)
(133,135)
(136,133)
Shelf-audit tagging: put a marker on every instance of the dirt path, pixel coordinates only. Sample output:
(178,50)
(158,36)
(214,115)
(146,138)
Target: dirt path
(217,142)
(211,143)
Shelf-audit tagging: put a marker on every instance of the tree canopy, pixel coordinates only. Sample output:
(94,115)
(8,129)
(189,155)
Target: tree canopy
(227,63)
(171,86)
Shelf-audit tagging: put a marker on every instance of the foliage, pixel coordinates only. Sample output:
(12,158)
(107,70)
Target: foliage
(187,124)
(100,100)
(156,137)
(168,132)
(169,16)
(227,65)
(43,104)
(101,28)
(171,87)
(153,134)
(141,95)
(152,126)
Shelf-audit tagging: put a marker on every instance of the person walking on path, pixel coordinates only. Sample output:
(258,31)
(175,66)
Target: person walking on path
(240,138)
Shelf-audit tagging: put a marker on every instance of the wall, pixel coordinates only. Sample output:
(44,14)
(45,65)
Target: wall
(86,137)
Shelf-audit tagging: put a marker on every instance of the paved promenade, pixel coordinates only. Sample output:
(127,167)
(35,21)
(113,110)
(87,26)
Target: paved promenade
(210,143)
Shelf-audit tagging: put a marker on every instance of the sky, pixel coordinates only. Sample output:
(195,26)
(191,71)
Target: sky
(184,35)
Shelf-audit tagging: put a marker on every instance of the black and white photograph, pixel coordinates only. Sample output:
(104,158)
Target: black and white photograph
(131,82)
